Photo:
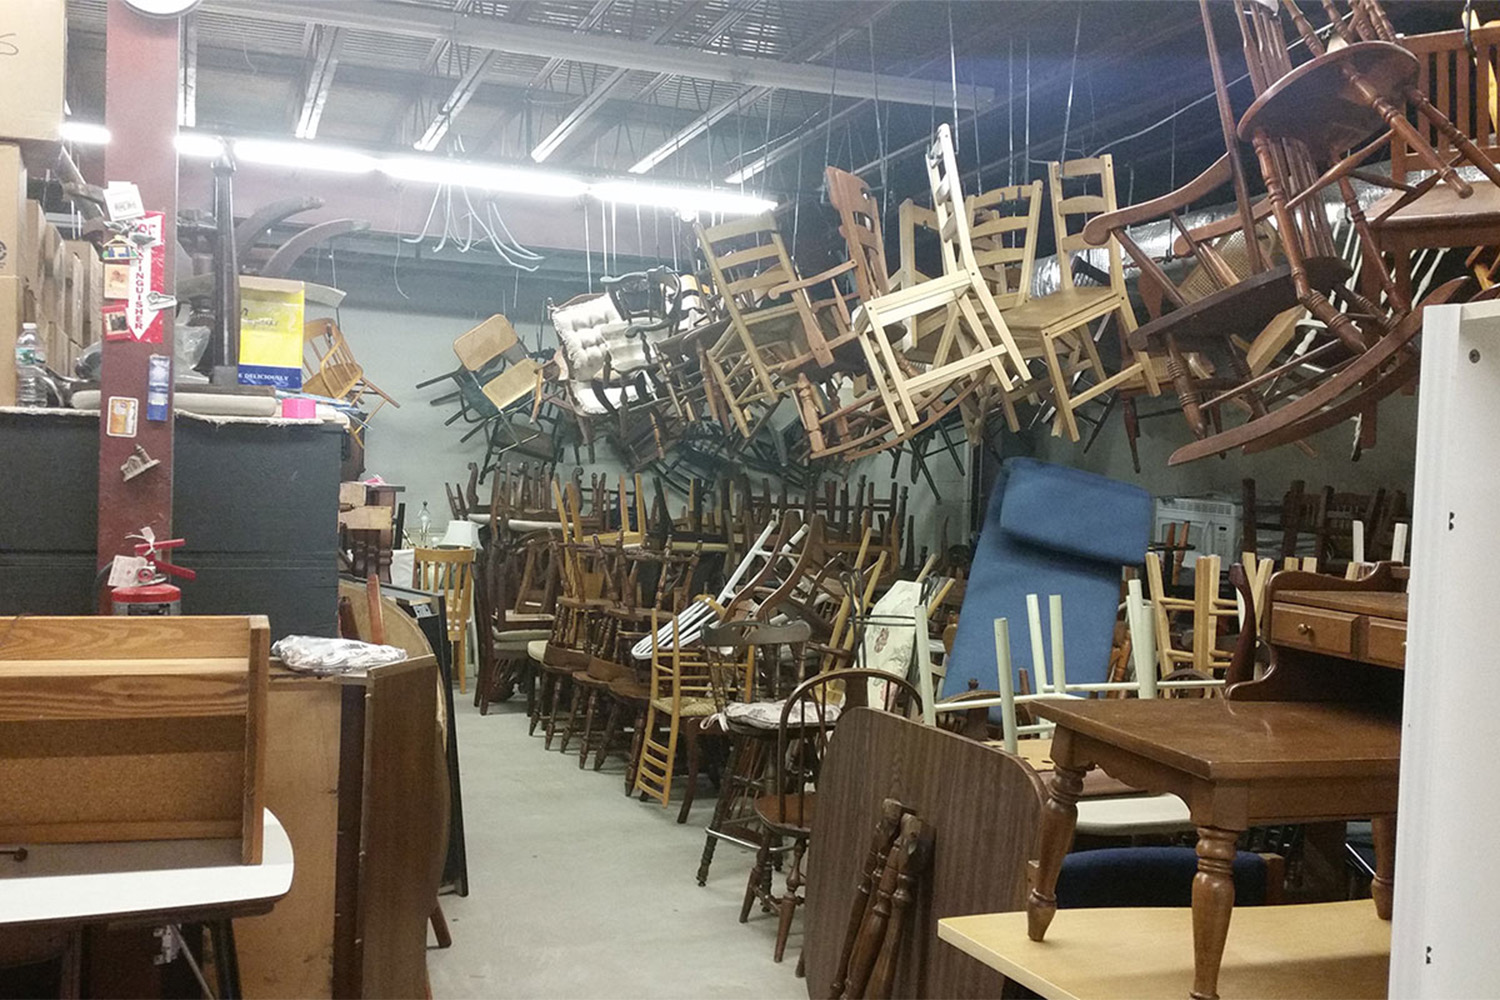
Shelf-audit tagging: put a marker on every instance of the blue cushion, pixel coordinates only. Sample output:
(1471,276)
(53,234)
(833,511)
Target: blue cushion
(1149,876)
(1049,530)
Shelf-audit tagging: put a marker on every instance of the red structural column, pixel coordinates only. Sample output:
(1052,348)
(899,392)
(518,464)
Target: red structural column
(140,110)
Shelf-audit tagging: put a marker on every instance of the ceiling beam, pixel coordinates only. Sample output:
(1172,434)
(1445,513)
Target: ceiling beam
(734,15)
(463,90)
(487,32)
(747,97)
(322,63)
(596,98)
(540,78)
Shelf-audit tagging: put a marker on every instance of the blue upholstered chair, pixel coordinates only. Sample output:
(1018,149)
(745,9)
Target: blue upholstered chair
(1157,876)
(1049,530)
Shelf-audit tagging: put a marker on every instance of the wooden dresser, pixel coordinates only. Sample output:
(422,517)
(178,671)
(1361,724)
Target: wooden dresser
(1366,626)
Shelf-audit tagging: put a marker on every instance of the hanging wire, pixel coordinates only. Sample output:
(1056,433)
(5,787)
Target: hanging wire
(828,132)
(1026,159)
(953,69)
(588,249)
(885,187)
(1072,75)
(1010,114)
(978,157)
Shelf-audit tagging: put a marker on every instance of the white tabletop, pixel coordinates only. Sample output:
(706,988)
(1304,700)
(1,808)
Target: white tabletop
(516,524)
(86,883)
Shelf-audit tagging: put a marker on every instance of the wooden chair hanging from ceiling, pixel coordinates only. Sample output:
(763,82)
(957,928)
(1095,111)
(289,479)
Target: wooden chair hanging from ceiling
(332,371)
(1305,118)
(775,326)
(974,346)
(834,427)
(1062,319)
(1454,123)
(1364,360)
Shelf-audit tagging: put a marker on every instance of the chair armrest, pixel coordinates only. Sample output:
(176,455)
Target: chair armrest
(817,279)
(1099,228)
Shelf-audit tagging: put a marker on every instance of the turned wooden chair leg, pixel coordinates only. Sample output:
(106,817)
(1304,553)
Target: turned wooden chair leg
(588,727)
(757,874)
(637,741)
(561,688)
(790,900)
(574,705)
(611,732)
(692,730)
(440,926)
(539,703)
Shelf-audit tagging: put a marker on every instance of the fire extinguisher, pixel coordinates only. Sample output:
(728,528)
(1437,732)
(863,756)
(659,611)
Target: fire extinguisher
(151,594)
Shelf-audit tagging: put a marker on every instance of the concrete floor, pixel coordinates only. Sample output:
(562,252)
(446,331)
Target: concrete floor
(577,891)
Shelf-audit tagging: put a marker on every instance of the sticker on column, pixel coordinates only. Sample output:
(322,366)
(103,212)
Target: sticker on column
(147,293)
(116,324)
(121,416)
(158,385)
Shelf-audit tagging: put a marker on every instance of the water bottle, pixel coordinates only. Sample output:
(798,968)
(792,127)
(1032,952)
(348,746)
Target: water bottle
(31,359)
(424,526)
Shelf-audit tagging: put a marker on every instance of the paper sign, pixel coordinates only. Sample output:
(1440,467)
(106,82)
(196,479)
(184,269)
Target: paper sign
(125,571)
(122,413)
(271,317)
(122,200)
(147,275)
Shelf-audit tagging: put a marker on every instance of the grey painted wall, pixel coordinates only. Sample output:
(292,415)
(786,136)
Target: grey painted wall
(1390,464)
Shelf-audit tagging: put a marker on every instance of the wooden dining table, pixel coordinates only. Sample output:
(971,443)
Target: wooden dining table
(1317,738)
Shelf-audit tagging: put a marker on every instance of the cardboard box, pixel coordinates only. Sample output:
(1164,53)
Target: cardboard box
(12,306)
(13,218)
(82,309)
(33,49)
(30,265)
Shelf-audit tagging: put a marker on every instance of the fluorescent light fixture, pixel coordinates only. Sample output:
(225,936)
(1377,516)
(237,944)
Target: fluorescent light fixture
(689,201)
(198,145)
(85,133)
(484,177)
(304,155)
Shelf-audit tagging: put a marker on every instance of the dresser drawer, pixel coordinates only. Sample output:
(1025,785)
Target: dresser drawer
(1386,643)
(1329,632)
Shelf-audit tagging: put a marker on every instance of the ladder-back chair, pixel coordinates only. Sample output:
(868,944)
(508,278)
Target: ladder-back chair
(774,324)
(450,572)
(1062,319)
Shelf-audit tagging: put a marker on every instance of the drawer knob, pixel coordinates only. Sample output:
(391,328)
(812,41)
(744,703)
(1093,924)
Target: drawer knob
(1303,628)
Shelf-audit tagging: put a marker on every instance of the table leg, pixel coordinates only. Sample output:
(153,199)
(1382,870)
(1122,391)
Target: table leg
(1383,831)
(1059,817)
(1213,903)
